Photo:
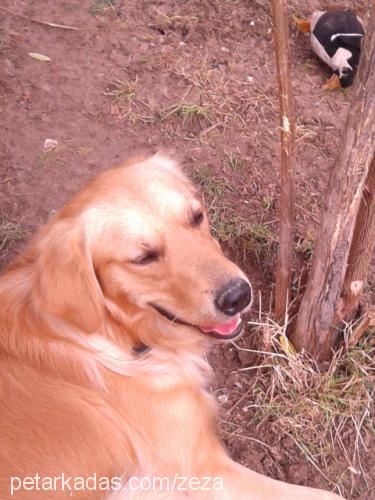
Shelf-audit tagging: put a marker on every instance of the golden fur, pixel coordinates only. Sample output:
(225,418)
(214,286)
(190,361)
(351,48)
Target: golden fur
(75,396)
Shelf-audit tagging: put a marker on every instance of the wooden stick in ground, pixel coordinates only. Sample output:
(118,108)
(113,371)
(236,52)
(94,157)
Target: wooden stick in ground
(316,327)
(38,21)
(361,251)
(284,267)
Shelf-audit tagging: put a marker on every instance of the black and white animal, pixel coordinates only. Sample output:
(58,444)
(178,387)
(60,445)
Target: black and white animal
(336,39)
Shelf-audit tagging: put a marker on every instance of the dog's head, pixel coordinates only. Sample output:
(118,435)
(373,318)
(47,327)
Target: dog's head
(139,236)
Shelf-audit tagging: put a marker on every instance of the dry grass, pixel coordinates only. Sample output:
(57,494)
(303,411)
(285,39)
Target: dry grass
(10,233)
(235,162)
(126,103)
(327,414)
(100,7)
(122,91)
(305,246)
(57,155)
(47,158)
(188,112)
(234,103)
(3,41)
(176,19)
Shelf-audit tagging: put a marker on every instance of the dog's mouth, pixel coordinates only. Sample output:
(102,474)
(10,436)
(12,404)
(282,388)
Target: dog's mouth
(222,331)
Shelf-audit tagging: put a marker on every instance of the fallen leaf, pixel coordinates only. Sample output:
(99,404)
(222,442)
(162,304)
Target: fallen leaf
(39,57)
(287,346)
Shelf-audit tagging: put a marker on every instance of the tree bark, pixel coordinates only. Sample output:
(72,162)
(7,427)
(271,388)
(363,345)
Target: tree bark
(361,251)
(287,121)
(316,326)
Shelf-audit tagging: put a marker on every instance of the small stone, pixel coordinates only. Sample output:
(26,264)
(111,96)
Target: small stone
(223,398)
(50,144)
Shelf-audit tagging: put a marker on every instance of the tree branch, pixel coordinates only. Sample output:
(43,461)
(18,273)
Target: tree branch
(284,269)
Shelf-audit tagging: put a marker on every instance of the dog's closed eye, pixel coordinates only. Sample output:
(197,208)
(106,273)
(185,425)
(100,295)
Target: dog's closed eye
(197,218)
(147,258)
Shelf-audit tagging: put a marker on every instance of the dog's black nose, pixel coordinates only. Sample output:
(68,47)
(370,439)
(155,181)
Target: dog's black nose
(234,297)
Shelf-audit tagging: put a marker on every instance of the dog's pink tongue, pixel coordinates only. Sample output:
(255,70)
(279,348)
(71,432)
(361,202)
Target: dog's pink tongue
(222,328)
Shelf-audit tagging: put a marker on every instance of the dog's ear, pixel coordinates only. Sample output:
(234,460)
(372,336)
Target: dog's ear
(66,285)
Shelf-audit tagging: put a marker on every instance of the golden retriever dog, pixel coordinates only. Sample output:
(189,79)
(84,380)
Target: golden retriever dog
(104,325)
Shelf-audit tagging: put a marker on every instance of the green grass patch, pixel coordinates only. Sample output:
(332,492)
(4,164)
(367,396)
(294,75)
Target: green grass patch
(229,226)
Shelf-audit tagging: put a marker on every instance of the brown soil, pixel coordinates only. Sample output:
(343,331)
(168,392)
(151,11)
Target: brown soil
(125,82)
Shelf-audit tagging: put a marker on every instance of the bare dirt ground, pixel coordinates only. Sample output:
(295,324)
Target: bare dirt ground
(195,79)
